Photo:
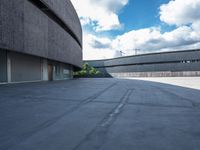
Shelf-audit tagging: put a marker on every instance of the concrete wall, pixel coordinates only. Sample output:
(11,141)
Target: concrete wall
(145,65)
(53,33)
(155,58)
(64,10)
(157,74)
(18,67)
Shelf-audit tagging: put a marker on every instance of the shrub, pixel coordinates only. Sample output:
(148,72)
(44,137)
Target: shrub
(87,71)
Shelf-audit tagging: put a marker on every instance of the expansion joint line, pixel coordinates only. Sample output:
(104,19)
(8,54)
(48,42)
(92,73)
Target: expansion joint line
(55,119)
(117,110)
(93,97)
(97,137)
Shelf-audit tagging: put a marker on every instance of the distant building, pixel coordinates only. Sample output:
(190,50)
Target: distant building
(40,40)
(164,64)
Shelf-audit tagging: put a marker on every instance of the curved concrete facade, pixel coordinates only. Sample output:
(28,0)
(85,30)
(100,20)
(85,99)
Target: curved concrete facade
(45,28)
(179,63)
(40,40)
(65,11)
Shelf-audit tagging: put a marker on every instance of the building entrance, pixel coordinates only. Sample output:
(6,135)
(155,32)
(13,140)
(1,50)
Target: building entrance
(3,66)
(50,72)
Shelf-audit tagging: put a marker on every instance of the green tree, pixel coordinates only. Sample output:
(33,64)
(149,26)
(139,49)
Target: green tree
(87,71)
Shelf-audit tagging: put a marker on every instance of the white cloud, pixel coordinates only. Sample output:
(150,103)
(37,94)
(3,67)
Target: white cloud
(96,47)
(152,39)
(180,12)
(102,15)
(146,40)
(135,39)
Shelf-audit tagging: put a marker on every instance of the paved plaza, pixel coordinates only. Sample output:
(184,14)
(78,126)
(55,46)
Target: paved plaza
(101,114)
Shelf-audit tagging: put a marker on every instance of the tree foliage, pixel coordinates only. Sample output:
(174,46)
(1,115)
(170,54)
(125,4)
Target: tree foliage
(87,72)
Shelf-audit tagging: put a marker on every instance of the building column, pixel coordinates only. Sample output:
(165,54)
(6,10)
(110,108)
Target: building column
(44,70)
(9,68)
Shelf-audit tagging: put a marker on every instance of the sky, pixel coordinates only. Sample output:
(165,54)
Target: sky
(115,28)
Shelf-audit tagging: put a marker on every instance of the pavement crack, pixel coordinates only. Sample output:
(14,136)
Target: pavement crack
(107,121)
(93,97)
(98,136)
(52,121)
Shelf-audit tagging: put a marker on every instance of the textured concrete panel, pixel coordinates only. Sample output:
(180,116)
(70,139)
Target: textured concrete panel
(65,10)
(25,28)
(36,30)
(6,34)
(69,52)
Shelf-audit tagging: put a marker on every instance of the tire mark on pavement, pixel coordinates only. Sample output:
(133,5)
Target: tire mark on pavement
(109,119)
(54,120)
(96,138)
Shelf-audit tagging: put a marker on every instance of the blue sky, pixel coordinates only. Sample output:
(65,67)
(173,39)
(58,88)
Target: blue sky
(111,26)
(140,14)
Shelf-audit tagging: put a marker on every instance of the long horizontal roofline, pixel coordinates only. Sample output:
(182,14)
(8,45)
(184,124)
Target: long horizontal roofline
(156,53)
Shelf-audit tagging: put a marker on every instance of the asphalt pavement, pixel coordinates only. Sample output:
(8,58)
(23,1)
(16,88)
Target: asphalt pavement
(100,114)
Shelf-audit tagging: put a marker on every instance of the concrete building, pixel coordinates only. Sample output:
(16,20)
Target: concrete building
(39,40)
(165,64)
